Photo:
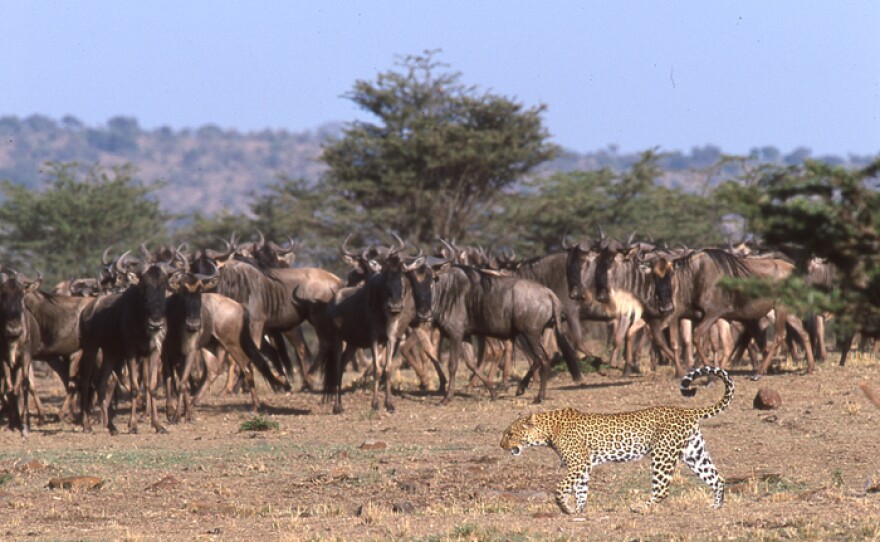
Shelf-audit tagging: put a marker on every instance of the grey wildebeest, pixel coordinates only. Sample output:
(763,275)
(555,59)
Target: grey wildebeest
(276,299)
(468,301)
(20,338)
(689,287)
(128,329)
(196,320)
(377,312)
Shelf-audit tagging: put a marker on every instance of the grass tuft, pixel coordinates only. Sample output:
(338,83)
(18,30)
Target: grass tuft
(259,423)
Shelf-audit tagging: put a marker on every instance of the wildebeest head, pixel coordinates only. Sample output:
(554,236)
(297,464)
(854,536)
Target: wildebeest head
(610,252)
(273,256)
(579,268)
(190,287)
(661,273)
(423,274)
(12,292)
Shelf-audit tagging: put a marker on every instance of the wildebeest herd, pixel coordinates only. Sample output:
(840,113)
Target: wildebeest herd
(169,318)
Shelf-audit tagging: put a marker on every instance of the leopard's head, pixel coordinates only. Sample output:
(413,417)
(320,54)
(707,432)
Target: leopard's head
(524,432)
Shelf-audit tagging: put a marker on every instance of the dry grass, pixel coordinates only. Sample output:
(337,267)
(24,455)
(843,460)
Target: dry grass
(800,472)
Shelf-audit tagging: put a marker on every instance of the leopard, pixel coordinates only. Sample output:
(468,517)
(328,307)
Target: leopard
(584,440)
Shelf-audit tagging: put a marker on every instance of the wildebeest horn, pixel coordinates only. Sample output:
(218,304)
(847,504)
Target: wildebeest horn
(564,242)
(105,257)
(179,256)
(629,239)
(120,262)
(343,247)
(401,244)
(262,240)
(213,273)
(453,251)
(601,233)
(146,253)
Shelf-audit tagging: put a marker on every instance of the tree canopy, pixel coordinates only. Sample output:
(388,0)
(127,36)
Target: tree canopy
(63,229)
(438,156)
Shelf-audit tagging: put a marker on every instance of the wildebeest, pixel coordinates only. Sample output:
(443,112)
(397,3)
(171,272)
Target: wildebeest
(688,287)
(128,329)
(377,312)
(195,320)
(276,299)
(468,301)
(20,338)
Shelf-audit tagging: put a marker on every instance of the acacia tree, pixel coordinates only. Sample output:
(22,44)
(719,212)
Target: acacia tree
(63,229)
(438,156)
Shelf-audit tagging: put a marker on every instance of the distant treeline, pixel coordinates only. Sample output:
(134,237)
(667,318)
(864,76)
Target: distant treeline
(209,169)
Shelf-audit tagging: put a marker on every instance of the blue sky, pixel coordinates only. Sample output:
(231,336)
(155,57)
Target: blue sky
(633,74)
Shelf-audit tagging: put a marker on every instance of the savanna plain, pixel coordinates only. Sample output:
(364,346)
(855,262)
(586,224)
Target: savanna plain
(809,470)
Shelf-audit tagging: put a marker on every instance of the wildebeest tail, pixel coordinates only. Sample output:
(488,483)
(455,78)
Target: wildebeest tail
(722,403)
(568,352)
(258,360)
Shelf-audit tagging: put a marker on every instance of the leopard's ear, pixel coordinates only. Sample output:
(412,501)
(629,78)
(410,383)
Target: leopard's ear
(530,420)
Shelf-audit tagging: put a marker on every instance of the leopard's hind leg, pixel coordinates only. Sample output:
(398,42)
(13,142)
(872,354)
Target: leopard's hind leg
(697,458)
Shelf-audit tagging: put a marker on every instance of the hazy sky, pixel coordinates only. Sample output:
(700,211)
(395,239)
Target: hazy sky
(635,74)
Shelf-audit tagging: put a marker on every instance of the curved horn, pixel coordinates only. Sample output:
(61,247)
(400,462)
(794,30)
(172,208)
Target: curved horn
(105,257)
(401,244)
(213,273)
(343,247)
(178,255)
(146,253)
(121,260)
(601,233)
(629,239)
(564,242)
(453,252)
(262,240)
(22,279)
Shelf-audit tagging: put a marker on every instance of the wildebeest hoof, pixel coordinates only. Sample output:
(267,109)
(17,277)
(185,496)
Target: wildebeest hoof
(520,390)
(113,431)
(755,377)
(337,409)
(389,407)
(537,401)
(374,405)
(161,430)
(133,431)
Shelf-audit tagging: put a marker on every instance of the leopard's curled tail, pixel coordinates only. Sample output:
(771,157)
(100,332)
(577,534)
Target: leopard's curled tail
(722,403)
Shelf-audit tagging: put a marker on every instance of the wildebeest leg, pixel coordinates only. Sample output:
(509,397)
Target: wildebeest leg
(660,341)
(134,390)
(106,389)
(429,340)
(845,347)
(778,337)
(184,387)
(629,351)
(212,371)
(410,352)
(819,325)
(700,333)
(152,369)
(38,405)
(795,324)
(85,376)
(301,348)
(243,362)
(454,353)
(539,358)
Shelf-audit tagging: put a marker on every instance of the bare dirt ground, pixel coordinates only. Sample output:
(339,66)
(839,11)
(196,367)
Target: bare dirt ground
(808,470)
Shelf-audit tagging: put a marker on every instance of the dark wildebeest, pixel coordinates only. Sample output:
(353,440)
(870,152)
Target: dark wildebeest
(688,287)
(276,299)
(128,329)
(20,338)
(468,301)
(379,311)
(196,320)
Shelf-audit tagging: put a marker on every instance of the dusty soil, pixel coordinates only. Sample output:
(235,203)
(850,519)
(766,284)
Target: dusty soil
(808,470)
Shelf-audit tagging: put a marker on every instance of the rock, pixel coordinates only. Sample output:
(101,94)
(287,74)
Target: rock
(169,482)
(29,464)
(76,482)
(373,445)
(407,487)
(872,485)
(404,507)
(767,399)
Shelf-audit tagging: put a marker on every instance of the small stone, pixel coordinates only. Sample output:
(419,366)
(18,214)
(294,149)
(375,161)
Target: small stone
(76,482)
(29,464)
(373,445)
(767,399)
(404,507)
(169,482)
(407,487)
